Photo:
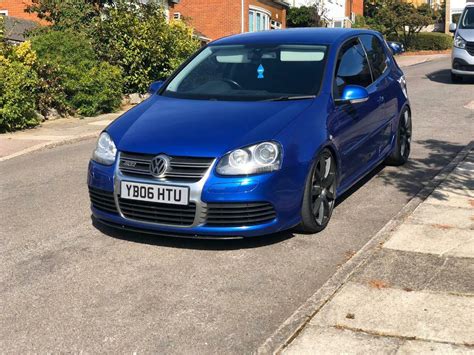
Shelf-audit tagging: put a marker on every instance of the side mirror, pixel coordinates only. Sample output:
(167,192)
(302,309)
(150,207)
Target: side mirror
(396,47)
(155,86)
(452,27)
(353,94)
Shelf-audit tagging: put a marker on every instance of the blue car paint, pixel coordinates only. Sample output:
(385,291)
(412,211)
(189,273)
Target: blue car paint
(360,136)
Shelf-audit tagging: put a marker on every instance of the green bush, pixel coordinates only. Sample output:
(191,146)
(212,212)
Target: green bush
(74,79)
(100,90)
(136,37)
(428,41)
(18,83)
(431,41)
(360,22)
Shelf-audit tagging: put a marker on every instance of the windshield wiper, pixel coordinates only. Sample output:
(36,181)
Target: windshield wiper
(288,98)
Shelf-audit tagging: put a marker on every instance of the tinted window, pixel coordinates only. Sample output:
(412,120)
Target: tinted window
(467,19)
(251,72)
(352,68)
(376,54)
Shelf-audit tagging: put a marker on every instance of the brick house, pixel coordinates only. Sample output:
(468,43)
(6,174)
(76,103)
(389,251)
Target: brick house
(337,13)
(354,8)
(213,19)
(17,21)
(16,9)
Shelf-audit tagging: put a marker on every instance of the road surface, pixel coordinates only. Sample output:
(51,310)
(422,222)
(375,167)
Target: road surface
(67,286)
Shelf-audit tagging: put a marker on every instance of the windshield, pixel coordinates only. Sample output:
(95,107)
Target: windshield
(251,73)
(467,19)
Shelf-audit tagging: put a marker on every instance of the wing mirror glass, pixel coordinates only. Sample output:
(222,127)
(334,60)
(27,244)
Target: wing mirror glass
(452,27)
(353,94)
(155,86)
(396,47)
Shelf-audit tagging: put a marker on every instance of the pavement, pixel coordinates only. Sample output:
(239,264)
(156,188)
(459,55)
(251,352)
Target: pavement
(407,60)
(415,294)
(71,129)
(67,285)
(52,133)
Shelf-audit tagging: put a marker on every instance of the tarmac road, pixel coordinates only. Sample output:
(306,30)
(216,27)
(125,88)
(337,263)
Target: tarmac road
(67,286)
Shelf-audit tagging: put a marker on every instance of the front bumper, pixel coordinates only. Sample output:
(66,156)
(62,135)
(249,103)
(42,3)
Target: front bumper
(462,62)
(283,191)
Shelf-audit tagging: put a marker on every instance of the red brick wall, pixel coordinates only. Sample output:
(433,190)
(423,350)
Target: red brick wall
(212,18)
(16,8)
(356,6)
(219,18)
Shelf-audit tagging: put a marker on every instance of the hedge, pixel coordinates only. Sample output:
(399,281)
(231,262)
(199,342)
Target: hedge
(83,83)
(18,83)
(427,41)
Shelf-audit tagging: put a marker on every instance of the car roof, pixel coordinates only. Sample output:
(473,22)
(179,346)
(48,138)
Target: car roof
(313,35)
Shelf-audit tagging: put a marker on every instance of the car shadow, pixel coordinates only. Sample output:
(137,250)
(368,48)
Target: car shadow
(340,199)
(443,76)
(418,172)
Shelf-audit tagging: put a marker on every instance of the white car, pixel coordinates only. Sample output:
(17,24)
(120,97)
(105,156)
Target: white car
(463,51)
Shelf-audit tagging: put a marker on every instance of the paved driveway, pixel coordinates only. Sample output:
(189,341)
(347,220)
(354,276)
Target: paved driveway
(67,286)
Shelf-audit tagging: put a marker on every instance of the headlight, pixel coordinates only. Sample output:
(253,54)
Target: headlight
(105,150)
(256,159)
(459,42)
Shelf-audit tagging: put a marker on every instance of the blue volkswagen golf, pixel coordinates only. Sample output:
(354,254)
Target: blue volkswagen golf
(255,134)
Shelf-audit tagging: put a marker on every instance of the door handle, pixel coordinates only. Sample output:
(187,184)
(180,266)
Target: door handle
(381,100)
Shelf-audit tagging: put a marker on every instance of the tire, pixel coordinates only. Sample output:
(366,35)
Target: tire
(456,78)
(320,194)
(402,149)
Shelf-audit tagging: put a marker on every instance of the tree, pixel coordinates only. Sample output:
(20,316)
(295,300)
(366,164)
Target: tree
(77,15)
(395,18)
(131,34)
(307,16)
(137,37)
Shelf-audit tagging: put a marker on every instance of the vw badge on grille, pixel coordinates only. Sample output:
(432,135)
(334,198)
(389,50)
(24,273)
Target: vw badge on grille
(159,165)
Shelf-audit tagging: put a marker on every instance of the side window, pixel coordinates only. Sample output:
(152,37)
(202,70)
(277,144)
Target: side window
(352,68)
(376,54)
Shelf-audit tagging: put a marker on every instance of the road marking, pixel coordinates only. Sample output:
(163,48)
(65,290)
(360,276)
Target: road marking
(470,105)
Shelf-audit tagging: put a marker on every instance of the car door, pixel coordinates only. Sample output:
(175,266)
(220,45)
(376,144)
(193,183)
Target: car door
(383,86)
(350,125)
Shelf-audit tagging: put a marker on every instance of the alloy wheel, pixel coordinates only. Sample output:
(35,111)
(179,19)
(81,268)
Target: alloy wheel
(323,192)
(405,135)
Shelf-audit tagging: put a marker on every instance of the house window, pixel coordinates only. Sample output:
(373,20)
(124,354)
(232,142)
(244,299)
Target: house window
(259,19)
(275,25)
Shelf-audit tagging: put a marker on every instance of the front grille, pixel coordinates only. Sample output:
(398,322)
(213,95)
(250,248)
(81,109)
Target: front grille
(160,213)
(239,214)
(102,200)
(470,48)
(181,168)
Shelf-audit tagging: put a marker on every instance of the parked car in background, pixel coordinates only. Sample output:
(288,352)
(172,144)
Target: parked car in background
(396,47)
(255,134)
(463,48)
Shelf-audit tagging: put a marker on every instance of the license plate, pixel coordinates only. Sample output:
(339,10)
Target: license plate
(175,195)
